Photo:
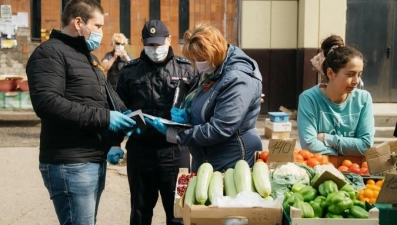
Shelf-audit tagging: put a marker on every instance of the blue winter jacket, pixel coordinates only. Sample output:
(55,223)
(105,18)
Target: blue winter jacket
(225,115)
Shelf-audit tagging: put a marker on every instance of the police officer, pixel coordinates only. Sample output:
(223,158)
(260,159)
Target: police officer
(148,83)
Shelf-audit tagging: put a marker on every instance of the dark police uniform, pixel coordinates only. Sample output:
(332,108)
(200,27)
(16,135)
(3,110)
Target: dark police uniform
(152,162)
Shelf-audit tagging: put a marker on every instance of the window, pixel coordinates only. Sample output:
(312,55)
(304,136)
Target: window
(154,10)
(183,17)
(35,20)
(125,18)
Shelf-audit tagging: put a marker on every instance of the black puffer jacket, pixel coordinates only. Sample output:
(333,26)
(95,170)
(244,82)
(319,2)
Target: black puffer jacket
(68,93)
(150,87)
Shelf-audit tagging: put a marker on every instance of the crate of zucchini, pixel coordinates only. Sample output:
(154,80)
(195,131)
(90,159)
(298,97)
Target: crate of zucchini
(209,187)
(329,200)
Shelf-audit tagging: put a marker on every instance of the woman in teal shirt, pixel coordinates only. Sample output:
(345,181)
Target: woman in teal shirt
(336,118)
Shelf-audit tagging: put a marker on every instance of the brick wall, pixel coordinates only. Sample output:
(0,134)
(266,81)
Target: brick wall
(222,14)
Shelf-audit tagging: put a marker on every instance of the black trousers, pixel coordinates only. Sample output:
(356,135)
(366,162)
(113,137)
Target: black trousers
(152,170)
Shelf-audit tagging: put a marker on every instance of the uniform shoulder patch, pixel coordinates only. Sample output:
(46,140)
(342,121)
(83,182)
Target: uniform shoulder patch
(132,62)
(182,60)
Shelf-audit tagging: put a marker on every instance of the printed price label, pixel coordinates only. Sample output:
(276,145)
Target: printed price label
(281,150)
(387,193)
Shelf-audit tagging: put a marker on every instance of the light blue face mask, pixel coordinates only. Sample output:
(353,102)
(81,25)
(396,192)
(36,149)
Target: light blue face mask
(94,40)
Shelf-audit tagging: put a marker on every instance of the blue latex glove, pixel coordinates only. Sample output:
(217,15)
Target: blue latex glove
(115,154)
(119,121)
(179,115)
(161,127)
(129,132)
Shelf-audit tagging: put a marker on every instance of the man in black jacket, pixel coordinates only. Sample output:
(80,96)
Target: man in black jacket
(148,83)
(69,94)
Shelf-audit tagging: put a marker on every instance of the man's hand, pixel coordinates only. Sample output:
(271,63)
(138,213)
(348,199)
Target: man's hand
(114,155)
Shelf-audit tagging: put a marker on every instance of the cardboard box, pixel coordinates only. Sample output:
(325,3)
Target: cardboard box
(270,134)
(178,199)
(337,160)
(295,218)
(278,127)
(380,159)
(387,200)
(281,151)
(213,215)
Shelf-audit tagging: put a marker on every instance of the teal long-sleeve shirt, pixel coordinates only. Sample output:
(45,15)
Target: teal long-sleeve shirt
(348,127)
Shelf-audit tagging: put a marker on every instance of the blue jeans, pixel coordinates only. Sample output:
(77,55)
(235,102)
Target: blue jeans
(75,190)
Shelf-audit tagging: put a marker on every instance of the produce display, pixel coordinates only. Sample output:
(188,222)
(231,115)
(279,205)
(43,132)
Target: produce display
(299,184)
(327,201)
(371,191)
(203,188)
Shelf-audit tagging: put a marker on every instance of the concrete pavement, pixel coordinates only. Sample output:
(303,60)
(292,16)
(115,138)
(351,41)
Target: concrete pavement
(24,199)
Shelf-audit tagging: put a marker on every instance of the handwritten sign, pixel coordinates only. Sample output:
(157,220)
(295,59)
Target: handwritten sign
(388,191)
(281,150)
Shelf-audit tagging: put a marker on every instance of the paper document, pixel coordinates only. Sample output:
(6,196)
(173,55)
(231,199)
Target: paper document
(168,122)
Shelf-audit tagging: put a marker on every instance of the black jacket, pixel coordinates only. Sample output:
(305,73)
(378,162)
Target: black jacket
(67,90)
(150,87)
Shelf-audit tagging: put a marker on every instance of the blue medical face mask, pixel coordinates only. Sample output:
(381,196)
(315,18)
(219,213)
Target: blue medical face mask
(94,40)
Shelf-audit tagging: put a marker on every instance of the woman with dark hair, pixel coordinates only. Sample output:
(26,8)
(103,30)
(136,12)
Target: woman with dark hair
(336,118)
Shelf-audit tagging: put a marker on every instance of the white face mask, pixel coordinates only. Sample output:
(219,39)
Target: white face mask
(157,53)
(205,67)
(119,47)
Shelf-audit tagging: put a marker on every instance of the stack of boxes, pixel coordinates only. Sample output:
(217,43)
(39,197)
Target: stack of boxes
(278,126)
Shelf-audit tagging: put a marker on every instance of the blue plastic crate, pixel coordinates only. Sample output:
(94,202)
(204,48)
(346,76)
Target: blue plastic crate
(279,117)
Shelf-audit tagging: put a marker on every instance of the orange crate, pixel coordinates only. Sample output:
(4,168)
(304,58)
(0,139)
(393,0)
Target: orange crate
(337,160)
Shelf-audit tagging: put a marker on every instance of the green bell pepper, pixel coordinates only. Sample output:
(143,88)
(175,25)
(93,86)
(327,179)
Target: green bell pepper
(317,208)
(308,193)
(322,200)
(296,187)
(358,212)
(359,203)
(338,202)
(350,190)
(306,208)
(335,216)
(289,201)
(327,187)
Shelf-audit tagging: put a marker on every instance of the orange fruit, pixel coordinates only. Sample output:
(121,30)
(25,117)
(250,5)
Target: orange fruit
(363,171)
(312,162)
(354,165)
(298,157)
(364,164)
(368,193)
(325,159)
(264,155)
(376,193)
(346,163)
(306,154)
(379,183)
(343,168)
(372,200)
(319,157)
(370,181)
(259,160)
